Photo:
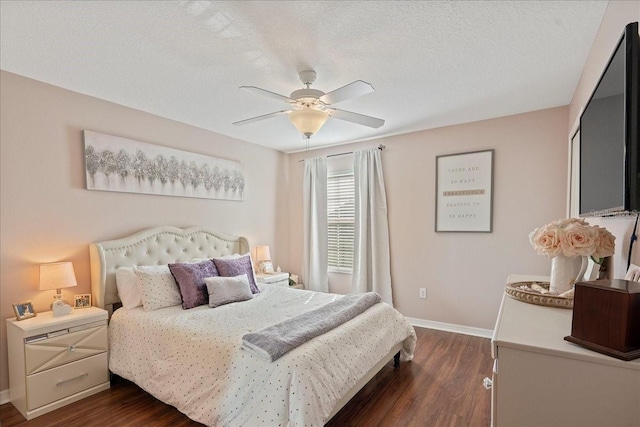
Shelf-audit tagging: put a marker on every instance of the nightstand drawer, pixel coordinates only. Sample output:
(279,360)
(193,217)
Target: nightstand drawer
(284,282)
(57,351)
(276,279)
(63,381)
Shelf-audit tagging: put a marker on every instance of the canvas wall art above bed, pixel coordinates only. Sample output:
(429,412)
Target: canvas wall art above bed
(114,163)
(193,358)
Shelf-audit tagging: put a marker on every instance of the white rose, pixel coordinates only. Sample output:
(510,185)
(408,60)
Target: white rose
(578,239)
(545,241)
(606,244)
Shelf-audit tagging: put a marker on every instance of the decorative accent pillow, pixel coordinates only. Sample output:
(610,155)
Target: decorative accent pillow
(225,290)
(231,267)
(127,284)
(157,287)
(190,278)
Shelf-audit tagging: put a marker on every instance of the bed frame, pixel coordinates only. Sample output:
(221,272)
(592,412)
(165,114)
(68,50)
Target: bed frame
(164,245)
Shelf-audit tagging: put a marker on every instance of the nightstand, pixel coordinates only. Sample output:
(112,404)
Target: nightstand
(277,279)
(54,361)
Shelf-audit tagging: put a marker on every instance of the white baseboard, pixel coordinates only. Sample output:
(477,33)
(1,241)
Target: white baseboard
(4,397)
(450,327)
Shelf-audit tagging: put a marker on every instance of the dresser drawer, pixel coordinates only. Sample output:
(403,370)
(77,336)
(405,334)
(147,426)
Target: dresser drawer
(57,383)
(57,351)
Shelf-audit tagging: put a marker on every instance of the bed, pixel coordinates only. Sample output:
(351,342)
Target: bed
(192,359)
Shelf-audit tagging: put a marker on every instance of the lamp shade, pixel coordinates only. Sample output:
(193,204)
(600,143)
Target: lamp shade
(57,275)
(262,253)
(308,121)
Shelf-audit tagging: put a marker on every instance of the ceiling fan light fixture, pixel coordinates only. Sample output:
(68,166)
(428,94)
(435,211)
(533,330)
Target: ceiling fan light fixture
(309,108)
(308,121)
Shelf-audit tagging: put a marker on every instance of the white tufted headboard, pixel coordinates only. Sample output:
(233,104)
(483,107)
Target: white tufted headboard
(154,246)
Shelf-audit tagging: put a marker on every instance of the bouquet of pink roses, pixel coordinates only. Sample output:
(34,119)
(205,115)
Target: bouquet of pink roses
(573,237)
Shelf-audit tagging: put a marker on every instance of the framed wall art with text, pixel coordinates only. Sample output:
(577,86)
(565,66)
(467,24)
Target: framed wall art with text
(464,192)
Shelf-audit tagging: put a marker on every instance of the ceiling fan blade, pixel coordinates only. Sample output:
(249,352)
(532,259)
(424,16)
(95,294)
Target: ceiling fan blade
(259,118)
(351,90)
(360,119)
(268,93)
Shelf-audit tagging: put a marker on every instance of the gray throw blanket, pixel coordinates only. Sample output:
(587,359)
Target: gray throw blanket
(273,341)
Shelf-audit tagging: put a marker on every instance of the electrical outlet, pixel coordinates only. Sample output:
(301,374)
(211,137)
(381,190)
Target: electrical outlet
(423,293)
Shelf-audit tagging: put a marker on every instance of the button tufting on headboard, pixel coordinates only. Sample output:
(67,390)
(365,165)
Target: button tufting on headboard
(155,246)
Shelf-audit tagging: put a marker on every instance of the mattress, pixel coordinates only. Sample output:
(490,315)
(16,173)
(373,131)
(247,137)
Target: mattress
(192,359)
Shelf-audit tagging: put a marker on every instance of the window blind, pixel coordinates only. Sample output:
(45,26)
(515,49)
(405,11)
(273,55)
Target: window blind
(340,221)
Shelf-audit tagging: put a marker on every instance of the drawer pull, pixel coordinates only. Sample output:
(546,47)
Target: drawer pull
(59,383)
(487,383)
(72,348)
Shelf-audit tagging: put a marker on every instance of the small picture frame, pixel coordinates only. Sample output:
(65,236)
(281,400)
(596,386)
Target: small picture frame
(24,310)
(82,301)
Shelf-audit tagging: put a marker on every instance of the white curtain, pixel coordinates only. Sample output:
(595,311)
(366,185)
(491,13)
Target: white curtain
(371,259)
(315,254)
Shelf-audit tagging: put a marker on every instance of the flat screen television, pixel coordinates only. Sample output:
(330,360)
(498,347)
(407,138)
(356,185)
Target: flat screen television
(609,146)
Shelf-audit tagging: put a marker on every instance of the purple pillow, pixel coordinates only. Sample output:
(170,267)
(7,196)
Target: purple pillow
(232,267)
(190,279)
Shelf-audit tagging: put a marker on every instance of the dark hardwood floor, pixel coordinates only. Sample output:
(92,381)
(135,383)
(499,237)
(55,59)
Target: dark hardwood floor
(442,386)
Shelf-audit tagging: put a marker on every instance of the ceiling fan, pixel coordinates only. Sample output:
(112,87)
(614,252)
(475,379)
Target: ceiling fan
(310,108)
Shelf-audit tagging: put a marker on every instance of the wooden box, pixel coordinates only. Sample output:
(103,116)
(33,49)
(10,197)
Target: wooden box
(606,317)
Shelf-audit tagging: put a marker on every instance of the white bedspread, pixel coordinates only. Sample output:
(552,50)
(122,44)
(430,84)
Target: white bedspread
(191,359)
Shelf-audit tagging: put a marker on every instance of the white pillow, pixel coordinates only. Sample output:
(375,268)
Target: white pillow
(127,284)
(225,290)
(158,288)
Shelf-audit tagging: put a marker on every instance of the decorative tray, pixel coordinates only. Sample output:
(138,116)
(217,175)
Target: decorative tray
(536,293)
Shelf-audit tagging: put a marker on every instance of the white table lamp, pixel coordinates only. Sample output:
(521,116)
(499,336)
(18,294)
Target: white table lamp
(263,257)
(56,276)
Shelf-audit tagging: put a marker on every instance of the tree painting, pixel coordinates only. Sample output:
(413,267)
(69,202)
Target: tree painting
(146,168)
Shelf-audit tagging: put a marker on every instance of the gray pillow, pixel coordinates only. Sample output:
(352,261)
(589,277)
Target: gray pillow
(231,267)
(225,290)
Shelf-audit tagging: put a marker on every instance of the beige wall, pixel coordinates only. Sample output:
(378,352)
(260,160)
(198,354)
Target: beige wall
(47,215)
(464,273)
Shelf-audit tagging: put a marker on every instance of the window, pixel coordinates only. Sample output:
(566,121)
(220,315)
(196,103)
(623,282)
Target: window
(341,208)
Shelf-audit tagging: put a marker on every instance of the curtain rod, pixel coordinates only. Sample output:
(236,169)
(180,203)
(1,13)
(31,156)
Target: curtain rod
(379,147)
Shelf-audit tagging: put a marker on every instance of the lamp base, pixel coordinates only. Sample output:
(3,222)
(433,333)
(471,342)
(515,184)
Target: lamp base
(60,308)
(266,267)
(58,297)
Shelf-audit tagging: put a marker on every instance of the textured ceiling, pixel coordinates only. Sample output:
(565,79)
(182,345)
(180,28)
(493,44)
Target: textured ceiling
(431,63)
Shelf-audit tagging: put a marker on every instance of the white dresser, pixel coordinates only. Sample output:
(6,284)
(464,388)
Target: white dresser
(54,361)
(541,380)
